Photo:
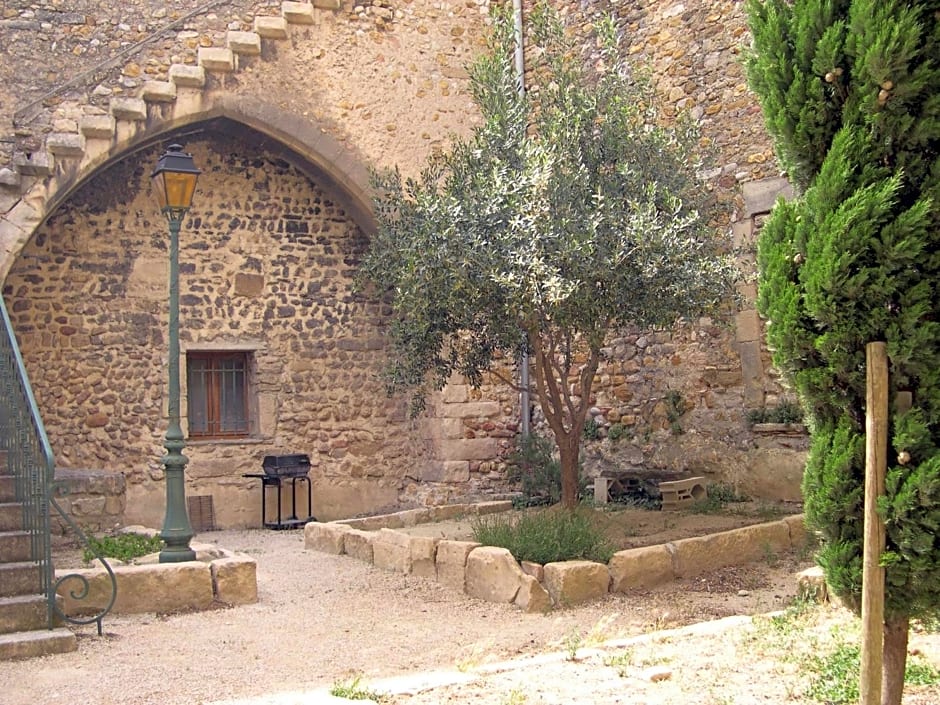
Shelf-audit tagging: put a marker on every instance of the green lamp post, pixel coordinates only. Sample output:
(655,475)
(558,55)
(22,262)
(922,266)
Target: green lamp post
(174,181)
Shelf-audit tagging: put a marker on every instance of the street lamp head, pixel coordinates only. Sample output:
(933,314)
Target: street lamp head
(174,181)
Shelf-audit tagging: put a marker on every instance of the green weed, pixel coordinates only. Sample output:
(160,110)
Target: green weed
(124,547)
(354,690)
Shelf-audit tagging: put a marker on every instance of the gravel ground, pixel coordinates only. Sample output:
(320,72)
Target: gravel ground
(322,619)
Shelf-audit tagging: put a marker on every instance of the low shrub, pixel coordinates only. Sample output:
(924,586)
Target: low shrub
(545,536)
(124,547)
(784,412)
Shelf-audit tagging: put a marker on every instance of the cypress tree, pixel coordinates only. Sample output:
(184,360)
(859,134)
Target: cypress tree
(851,95)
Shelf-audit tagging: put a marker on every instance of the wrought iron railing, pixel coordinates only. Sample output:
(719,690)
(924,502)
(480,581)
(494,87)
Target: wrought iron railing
(30,460)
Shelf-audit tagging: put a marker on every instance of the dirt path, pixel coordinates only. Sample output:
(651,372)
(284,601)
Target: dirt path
(323,619)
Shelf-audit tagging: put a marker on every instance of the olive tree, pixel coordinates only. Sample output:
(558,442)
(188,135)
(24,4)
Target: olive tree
(570,210)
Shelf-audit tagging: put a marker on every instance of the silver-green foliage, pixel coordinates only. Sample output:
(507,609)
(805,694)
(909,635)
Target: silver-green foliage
(571,209)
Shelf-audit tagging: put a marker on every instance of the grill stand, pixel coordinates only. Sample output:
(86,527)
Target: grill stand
(276,481)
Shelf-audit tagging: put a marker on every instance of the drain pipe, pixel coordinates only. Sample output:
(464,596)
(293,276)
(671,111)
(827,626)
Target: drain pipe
(519,61)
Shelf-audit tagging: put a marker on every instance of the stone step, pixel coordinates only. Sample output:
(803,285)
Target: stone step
(7,488)
(23,613)
(19,578)
(11,516)
(40,642)
(14,546)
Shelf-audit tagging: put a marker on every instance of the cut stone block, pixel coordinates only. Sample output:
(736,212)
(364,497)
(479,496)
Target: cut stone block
(271,27)
(573,582)
(65,144)
(328,4)
(297,12)
(129,109)
(536,570)
(493,574)
(188,76)
(391,550)
(760,196)
(799,535)
(358,544)
(159,91)
(163,587)
(640,568)
(811,585)
(247,43)
(235,580)
(423,556)
(682,493)
(451,560)
(327,538)
(34,164)
(99,127)
(216,59)
(701,554)
(532,597)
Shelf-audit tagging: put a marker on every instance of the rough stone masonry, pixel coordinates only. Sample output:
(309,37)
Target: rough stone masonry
(269,251)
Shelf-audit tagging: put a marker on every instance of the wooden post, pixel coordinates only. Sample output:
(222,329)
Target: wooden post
(873,575)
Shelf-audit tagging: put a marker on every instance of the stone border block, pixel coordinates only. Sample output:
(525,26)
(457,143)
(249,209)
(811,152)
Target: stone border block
(573,582)
(328,538)
(644,567)
(800,536)
(451,560)
(532,597)
(493,575)
(164,587)
(424,556)
(701,554)
(234,580)
(391,550)
(358,544)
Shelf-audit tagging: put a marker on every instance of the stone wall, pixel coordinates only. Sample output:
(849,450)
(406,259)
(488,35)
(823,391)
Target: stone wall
(266,265)
(385,81)
(94,499)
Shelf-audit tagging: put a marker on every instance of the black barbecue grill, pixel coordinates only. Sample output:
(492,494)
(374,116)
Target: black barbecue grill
(278,469)
(286,465)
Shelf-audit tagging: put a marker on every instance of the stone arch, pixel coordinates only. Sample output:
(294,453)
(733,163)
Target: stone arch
(317,153)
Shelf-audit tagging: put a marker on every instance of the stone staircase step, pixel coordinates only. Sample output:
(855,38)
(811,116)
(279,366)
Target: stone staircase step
(297,12)
(65,144)
(23,613)
(14,546)
(271,27)
(216,59)
(19,578)
(98,127)
(129,109)
(34,164)
(11,516)
(187,76)
(36,643)
(159,91)
(244,43)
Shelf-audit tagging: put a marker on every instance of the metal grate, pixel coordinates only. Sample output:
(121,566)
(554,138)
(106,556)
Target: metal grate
(201,512)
